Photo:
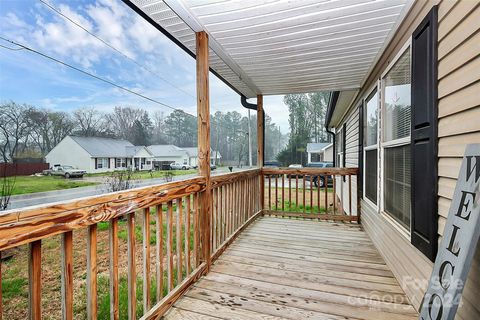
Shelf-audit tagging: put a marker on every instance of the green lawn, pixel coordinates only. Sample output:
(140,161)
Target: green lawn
(31,184)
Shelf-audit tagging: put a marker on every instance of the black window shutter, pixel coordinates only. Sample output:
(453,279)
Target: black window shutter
(424,136)
(96,163)
(360,151)
(108,163)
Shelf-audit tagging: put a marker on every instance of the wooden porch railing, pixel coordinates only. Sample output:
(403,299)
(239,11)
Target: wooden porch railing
(170,258)
(324,193)
(169,214)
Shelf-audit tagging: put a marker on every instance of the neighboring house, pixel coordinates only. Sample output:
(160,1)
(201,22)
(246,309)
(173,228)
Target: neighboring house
(164,154)
(316,152)
(96,154)
(406,130)
(193,156)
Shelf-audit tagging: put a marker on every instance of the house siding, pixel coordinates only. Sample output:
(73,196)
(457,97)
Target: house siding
(459,116)
(68,152)
(458,125)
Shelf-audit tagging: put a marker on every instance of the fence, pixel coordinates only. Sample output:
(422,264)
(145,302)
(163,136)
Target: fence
(21,169)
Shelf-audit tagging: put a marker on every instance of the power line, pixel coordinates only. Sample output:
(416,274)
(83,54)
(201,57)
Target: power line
(112,47)
(24,47)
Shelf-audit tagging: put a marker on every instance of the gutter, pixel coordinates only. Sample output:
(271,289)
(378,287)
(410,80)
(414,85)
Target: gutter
(332,102)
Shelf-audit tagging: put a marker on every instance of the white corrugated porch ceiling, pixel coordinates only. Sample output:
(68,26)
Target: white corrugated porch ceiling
(283,46)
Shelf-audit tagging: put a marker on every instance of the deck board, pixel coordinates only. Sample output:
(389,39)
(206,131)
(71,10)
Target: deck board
(297,269)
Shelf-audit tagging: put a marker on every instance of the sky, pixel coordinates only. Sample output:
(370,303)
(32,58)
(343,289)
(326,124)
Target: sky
(149,63)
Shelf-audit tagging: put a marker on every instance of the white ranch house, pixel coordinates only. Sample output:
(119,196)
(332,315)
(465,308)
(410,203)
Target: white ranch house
(95,154)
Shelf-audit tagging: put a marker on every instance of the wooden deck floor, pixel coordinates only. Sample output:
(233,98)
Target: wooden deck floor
(297,269)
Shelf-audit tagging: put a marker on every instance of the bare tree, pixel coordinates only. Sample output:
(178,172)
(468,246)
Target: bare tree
(119,180)
(6,188)
(90,122)
(14,129)
(123,121)
(48,128)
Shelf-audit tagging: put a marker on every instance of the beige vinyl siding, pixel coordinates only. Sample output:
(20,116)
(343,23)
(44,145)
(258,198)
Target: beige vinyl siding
(351,160)
(411,268)
(459,125)
(459,116)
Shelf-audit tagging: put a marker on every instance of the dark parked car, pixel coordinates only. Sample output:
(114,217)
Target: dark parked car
(319,181)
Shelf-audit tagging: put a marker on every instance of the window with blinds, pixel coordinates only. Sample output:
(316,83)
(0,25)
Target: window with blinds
(396,140)
(397,100)
(371,179)
(397,184)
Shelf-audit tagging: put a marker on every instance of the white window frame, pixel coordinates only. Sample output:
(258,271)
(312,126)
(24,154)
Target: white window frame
(375,86)
(100,163)
(393,143)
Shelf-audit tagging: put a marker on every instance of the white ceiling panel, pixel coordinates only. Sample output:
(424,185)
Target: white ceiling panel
(283,46)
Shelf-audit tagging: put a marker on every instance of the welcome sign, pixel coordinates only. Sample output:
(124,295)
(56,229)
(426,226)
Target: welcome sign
(458,245)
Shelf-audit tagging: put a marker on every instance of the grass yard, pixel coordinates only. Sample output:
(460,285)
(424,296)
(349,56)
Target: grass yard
(31,184)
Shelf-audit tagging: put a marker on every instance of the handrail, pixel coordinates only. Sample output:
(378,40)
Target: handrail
(20,226)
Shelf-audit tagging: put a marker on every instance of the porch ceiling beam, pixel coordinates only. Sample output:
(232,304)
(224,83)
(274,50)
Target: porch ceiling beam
(184,13)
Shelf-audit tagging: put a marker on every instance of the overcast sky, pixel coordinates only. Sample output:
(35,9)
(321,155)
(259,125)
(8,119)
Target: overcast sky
(28,78)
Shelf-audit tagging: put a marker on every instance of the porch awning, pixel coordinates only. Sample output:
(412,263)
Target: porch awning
(274,47)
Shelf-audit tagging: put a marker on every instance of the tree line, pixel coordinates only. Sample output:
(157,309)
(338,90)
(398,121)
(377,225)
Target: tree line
(31,132)
(307,114)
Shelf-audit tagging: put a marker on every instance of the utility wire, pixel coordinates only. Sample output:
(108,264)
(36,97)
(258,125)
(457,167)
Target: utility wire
(113,48)
(24,47)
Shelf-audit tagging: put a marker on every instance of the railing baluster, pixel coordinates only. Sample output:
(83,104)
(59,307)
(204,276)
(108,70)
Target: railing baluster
(146,259)
(304,193)
(159,250)
(196,233)
(170,245)
(334,194)
(325,179)
(187,234)
(276,192)
(132,272)
(318,194)
(283,192)
(311,194)
(67,275)
(289,192)
(269,192)
(35,279)
(178,229)
(92,272)
(114,295)
(296,191)
(350,194)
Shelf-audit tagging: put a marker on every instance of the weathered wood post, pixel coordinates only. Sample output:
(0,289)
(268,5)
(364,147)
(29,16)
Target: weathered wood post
(260,142)
(203,114)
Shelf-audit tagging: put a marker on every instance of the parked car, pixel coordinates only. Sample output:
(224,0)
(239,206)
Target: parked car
(179,166)
(65,171)
(319,181)
(272,165)
(213,167)
(294,166)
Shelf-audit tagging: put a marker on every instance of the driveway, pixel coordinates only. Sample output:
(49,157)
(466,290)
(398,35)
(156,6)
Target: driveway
(37,198)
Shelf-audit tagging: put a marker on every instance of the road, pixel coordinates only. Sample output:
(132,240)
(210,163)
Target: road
(26,200)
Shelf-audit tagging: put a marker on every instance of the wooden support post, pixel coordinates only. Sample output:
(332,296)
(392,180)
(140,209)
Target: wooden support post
(203,115)
(260,142)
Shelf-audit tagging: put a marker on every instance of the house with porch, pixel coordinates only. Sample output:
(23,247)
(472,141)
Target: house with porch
(99,154)
(266,243)
(319,152)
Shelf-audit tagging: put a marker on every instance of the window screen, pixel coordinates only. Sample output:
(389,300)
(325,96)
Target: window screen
(397,97)
(371,175)
(397,183)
